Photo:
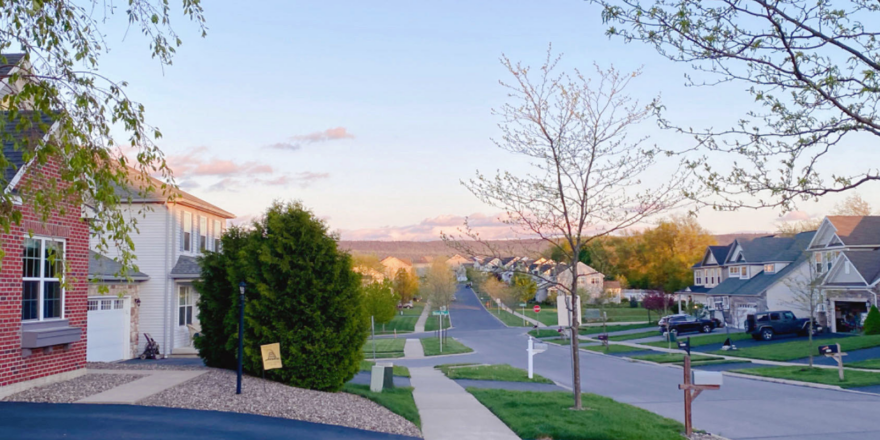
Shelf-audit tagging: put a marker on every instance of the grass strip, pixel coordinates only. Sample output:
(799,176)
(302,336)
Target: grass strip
(385,348)
(611,348)
(592,330)
(431,346)
(666,358)
(398,400)
(547,415)
(397,370)
(870,364)
(511,320)
(503,372)
(827,376)
(544,333)
(789,351)
(632,336)
(698,341)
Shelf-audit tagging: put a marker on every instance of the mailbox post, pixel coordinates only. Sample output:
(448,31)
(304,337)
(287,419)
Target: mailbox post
(833,351)
(533,350)
(694,384)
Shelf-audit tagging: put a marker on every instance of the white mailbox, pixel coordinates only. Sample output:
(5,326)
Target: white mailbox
(707,378)
(539,347)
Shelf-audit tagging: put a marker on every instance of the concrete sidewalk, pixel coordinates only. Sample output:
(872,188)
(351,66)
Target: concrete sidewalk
(155,381)
(423,318)
(449,412)
(413,349)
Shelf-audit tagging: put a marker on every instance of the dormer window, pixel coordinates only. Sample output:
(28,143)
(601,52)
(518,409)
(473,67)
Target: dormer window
(817,258)
(698,277)
(769,268)
(733,271)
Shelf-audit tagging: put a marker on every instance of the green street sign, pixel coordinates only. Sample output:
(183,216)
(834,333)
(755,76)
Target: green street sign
(440,312)
(522,304)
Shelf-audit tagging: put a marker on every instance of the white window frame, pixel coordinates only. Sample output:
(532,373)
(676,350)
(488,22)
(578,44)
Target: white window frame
(187,229)
(771,266)
(42,278)
(217,232)
(698,277)
(733,271)
(185,300)
(817,262)
(203,233)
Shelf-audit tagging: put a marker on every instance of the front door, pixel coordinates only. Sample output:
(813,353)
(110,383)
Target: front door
(187,315)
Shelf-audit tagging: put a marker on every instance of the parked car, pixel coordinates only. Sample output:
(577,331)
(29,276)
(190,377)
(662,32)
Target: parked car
(677,324)
(406,305)
(766,325)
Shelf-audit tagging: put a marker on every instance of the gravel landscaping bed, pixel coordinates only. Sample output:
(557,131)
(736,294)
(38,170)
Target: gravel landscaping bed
(154,365)
(74,389)
(215,391)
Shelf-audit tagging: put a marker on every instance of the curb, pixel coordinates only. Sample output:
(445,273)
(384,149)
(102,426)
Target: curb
(797,383)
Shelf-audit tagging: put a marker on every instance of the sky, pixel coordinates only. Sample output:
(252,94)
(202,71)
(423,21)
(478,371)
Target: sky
(372,113)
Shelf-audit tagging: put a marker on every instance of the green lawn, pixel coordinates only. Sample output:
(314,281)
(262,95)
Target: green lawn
(698,340)
(398,370)
(385,348)
(592,330)
(870,364)
(432,323)
(827,376)
(544,333)
(431,346)
(632,336)
(403,322)
(626,314)
(668,358)
(399,400)
(787,351)
(558,341)
(714,362)
(534,415)
(504,373)
(611,348)
(547,315)
(512,320)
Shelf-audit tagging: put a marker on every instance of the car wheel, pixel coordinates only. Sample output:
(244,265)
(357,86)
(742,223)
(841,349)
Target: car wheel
(707,328)
(767,334)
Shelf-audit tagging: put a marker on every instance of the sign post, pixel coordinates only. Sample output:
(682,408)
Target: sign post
(440,314)
(533,350)
(833,351)
(241,287)
(523,305)
(694,384)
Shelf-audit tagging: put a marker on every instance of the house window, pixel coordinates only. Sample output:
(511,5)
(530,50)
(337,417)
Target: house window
(829,259)
(185,308)
(187,231)
(769,268)
(218,232)
(817,257)
(203,233)
(43,264)
(698,277)
(733,270)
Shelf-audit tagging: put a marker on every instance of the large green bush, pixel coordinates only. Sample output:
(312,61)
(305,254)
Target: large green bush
(301,293)
(872,322)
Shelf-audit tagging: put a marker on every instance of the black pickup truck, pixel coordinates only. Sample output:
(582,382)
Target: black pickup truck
(766,325)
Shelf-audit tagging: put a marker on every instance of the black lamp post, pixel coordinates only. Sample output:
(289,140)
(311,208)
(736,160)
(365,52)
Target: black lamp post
(241,287)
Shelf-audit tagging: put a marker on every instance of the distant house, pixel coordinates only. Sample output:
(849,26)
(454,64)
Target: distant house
(589,280)
(613,291)
(114,315)
(846,250)
(422,264)
(457,261)
(394,264)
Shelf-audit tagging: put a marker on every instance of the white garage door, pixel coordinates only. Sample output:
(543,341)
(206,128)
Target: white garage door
(107,330)
(742,311)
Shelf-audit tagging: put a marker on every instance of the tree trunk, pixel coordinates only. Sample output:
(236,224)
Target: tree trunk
(575,325)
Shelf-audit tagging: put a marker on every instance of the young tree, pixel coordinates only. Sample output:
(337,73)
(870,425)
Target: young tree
(853,205)
(301,292)
(657,301)
(806,296)
(54,81)
(380,301)
(406,285)
(586,178)
(810,66)
(439,286)
(524,287)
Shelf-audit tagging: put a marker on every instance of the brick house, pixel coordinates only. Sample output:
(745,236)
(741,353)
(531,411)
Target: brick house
(43,278)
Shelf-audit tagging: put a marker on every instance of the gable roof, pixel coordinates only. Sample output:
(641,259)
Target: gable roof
(758,283)
(866,263)
(12,60)
(102,268)
(138,183)
(856,230)
(719,253)
(774,248)
(392,257)
(15,140)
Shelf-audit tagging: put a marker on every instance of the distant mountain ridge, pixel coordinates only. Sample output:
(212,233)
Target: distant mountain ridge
(414,250)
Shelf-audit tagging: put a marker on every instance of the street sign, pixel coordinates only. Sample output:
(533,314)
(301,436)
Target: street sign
(271,356)
(537,308)
(522,304)
(440,313)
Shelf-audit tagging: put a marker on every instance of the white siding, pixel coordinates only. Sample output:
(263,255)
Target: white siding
(781,297)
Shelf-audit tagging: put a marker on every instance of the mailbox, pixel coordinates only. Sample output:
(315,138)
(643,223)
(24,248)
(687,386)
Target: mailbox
(829,349)
(603,337)
(539,347)
(706,378)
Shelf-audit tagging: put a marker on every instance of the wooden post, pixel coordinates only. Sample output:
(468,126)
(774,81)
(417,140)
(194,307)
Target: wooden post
(688,422)
(839,357)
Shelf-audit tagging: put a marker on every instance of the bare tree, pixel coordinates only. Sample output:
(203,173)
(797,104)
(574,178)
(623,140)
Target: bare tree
(586,180)
(806,295)
(439,286)
(811,66)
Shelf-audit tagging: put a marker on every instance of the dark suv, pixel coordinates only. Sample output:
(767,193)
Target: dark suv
(677,324)
(765,325)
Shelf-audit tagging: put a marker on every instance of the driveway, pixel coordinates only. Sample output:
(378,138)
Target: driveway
(21,421)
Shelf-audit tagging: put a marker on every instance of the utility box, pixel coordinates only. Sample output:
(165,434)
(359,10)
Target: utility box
(707,378)
(381,376)
(388,378)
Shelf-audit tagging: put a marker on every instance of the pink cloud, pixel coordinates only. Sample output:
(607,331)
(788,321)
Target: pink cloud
(296,142)
(193,163)
(488,226)
(794,216)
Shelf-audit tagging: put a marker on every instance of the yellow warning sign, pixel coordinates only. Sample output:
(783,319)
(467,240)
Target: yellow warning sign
(271,356)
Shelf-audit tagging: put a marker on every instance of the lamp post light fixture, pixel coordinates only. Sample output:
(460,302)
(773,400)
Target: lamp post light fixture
(241,287)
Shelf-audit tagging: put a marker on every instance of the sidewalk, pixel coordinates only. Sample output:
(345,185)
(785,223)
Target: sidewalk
(413,349)
(449,412)
(155,381)
(520,315)
(423,318)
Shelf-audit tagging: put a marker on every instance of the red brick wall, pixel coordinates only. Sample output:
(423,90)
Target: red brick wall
(14,367)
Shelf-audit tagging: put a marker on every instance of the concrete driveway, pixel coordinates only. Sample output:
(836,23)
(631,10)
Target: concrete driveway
(47,421)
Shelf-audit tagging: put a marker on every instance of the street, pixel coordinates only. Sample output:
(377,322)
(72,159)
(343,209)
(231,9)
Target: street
(742,409)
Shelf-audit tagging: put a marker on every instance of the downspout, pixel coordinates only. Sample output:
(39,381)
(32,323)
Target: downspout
(168,243)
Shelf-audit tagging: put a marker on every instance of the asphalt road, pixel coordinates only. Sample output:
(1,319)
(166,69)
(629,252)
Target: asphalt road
(47,421)
(742,409)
